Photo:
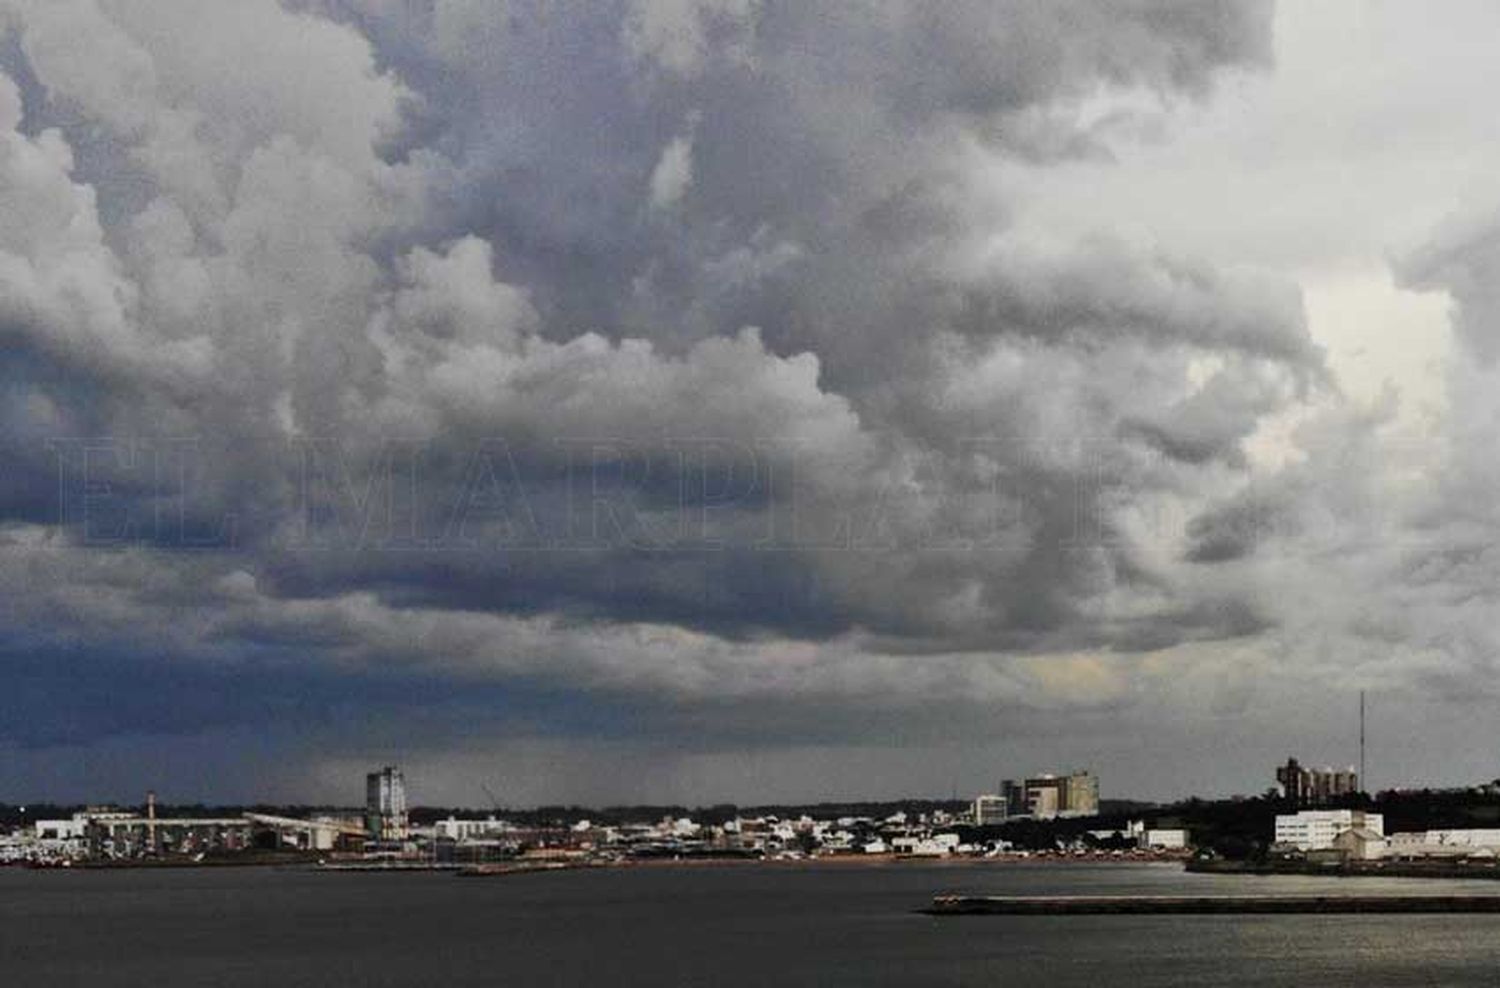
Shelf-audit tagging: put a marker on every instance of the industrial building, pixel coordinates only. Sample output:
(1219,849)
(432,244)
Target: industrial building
(108,833)
(1316,830)
(1303,786)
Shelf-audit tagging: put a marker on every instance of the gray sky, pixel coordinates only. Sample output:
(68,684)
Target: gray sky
(743,400)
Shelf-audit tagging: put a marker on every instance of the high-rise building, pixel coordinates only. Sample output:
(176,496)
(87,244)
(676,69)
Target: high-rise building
(1083,794)
(1046,796)
(385,805)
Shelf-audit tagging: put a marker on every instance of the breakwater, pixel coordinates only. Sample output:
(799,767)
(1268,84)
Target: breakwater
(1096,905)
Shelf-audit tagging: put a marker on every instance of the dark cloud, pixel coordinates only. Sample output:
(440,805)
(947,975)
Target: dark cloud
(671,350)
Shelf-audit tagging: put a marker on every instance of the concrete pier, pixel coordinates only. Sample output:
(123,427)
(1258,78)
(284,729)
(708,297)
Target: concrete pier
(1097,905)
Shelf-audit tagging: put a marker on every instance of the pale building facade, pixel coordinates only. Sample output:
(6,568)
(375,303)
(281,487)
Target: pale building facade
(1315,830)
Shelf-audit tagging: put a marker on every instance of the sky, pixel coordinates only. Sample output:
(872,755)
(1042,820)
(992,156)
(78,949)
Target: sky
(744,400)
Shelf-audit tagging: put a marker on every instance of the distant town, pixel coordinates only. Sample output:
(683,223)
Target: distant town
(1313,818)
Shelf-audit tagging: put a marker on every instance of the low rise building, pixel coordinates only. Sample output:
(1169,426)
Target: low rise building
(1315,830)
(455,829)
(1163,839)
(1360,844)
(935,846)
(1445,844)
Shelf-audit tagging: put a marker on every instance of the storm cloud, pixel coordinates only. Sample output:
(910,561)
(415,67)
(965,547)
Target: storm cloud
(452,380)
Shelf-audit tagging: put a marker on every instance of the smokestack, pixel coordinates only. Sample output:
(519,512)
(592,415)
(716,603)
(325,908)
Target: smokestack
(151,820)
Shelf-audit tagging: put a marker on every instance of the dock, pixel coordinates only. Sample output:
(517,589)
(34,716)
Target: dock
(1110,905)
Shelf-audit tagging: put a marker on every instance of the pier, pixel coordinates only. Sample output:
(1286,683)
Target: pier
(1100,905)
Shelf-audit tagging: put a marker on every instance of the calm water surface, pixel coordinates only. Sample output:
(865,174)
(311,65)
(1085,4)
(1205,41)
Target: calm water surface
(732,925)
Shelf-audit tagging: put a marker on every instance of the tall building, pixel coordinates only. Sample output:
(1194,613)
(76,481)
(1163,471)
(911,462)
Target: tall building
(1083,794)
(1315,786)
(385,805)
(1046,796)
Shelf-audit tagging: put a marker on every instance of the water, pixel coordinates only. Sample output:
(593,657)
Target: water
(769,925)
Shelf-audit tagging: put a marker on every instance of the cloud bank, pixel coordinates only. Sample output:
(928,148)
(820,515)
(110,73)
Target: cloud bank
(448,380)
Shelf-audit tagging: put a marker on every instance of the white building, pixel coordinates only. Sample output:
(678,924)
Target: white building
(464,830)
(1161,838)
(73,829)
(1445,844)
(989,810)
(1165,839)
(1315,830)
(936,846)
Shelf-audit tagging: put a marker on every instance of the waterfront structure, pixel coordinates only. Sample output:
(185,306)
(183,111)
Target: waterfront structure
(323,834)
(1047,796)
(1316,830)
(1476,843)
(385,805)
(1302,786)
(103,832)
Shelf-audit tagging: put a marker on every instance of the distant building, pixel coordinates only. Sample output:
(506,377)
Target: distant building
(1316,830)
(1302,786)
(1083,795)
(935,846)
(1360,844)
(385,805)
(74,829)
(1165,839)
(989,810)
(1047,796)
(455,829)
(1157,839)
(1478,843)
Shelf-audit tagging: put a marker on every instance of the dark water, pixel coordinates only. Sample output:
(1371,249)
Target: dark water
(761,926)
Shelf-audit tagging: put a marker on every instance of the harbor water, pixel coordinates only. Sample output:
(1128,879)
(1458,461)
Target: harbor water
(825,925)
